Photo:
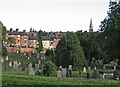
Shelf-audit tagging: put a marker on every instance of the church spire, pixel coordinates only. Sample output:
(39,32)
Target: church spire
(91,26)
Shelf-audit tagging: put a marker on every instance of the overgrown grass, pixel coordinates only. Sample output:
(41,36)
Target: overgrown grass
(14,79)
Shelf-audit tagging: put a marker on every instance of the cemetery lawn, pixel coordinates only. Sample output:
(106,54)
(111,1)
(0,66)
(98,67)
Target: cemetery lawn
(21,79)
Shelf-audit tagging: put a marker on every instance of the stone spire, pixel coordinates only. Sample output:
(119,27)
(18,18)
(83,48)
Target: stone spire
(91,26)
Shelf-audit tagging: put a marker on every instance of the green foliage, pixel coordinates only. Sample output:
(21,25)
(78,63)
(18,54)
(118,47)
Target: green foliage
(4,51)
(110,31)
(27,80)
(40,41)
(11,41)
(52,67)
(90,45)
(69,52)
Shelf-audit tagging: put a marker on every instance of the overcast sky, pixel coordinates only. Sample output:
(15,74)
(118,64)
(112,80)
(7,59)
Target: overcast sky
(53,15)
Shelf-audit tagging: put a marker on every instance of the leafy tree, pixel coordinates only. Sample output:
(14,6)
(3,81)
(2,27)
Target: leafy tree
(11,41)
(90,45)
(110,30)
(69,51)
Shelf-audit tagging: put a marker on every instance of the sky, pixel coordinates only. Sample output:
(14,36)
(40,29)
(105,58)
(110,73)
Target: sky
(53,15)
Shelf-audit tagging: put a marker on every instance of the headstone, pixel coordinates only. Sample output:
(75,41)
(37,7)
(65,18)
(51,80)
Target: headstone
(31,71)
(96,74)
(60,67)
(89,68)
(94,67)
(19,63)
(29,66)
(59,73)
(114,67)
(28,58)
(25,54)
(36,67)
(10,64)
(70,67)
(84,69)
(39,62)
(15,65)
(64,72)
(19,70)
(2,60)
(6,58)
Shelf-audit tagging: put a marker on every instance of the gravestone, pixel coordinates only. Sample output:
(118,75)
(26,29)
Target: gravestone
(84,69)
(6,58)
(70,70)
(39,62)
(31,71)
(59,73)
(70,67)
(28,58)
(2,60)
(19,63)
(60,67)
(19,70)
(15,65)
(89,68)
(10,64)
(29,66)
(96,74)
(36,67)
(64,72)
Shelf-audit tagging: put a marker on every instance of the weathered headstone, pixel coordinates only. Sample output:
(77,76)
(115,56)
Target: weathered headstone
(36,67)
(84,69)
(96,74)
(15,65)
(39,62)
(64,72)
(19,70)
(10,64)
(2,60)
(6,58)
(59,73)
(29,66)
(60,67)
(70,67)
(89,68)
(70,70)
(19,63)
(31,71)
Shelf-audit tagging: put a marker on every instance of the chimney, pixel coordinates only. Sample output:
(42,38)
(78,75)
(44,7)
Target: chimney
(17,29)
(24,31)
(11,29)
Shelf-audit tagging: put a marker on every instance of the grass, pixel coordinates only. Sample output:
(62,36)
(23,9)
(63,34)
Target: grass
(15,79)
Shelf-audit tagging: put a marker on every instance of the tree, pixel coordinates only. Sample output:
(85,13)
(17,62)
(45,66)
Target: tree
(69,51)
(11,41)
(90,45)
(2,38)
(110,30)
(40,48)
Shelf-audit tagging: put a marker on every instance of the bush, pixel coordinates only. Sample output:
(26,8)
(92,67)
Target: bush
(52,67)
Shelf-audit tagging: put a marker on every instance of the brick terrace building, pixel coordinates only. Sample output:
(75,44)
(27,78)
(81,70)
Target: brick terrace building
(24,42)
